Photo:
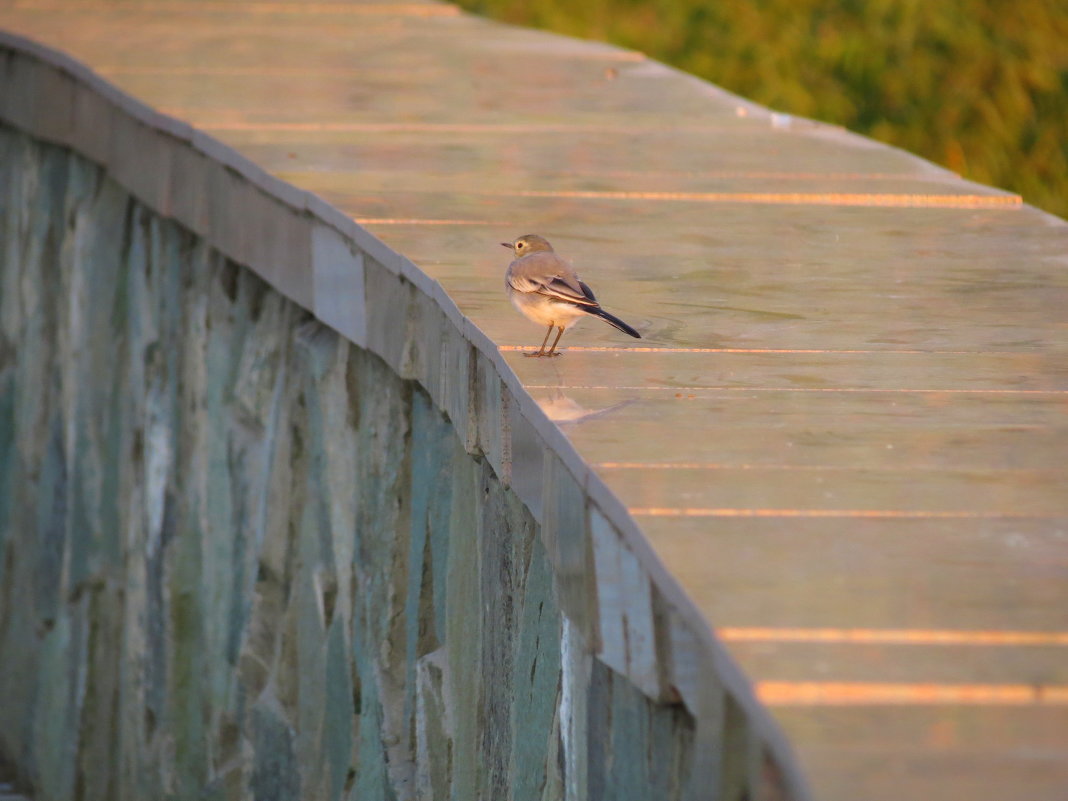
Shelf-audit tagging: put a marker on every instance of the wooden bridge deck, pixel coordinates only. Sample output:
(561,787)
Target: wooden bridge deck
(846,428)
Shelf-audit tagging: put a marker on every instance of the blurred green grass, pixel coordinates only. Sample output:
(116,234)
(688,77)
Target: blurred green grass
(979,86)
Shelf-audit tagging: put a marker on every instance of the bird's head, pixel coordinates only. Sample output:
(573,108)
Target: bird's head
(528,243)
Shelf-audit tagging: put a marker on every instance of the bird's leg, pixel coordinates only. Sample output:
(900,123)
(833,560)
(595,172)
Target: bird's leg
(541,351)
(559,333)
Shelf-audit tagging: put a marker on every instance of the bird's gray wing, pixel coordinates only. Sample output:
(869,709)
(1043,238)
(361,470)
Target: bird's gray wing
(547,274)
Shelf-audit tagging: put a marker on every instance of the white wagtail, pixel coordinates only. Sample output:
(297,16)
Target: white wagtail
(548,291)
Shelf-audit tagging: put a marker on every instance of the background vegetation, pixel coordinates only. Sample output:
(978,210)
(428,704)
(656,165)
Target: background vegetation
(980,86)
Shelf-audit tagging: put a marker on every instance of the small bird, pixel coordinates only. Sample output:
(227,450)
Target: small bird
(547,290)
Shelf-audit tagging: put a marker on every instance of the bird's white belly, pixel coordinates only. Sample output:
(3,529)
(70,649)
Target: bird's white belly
(545,311)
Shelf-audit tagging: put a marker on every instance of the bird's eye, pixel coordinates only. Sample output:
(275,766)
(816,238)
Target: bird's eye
(520,245)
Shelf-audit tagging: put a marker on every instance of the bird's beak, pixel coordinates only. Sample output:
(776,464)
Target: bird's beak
(506,244)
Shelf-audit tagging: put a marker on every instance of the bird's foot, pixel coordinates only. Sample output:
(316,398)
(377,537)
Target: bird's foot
(534,354)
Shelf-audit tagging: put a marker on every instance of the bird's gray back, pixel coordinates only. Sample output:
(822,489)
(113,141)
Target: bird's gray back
(542,269)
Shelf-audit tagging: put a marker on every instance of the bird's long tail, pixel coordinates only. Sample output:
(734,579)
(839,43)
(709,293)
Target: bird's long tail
(614,321)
